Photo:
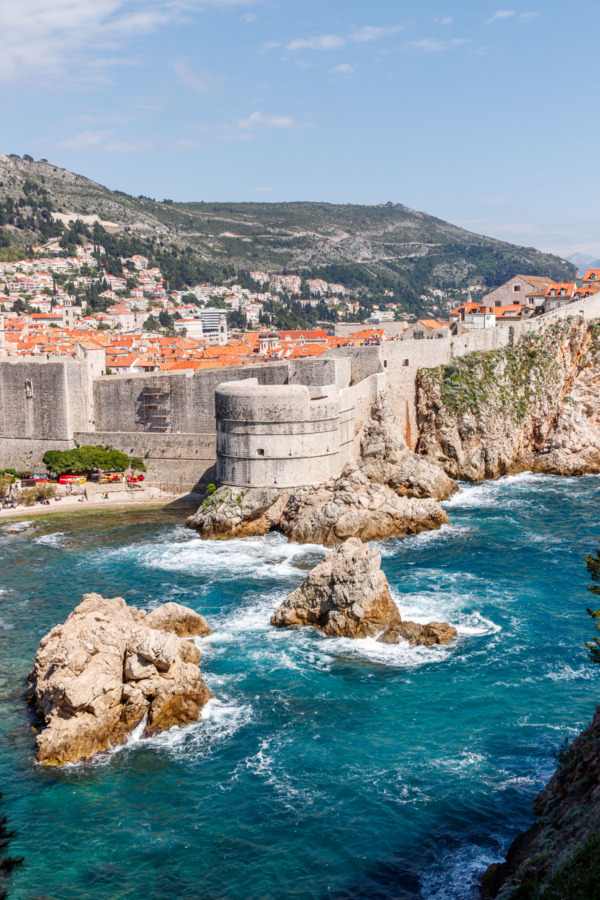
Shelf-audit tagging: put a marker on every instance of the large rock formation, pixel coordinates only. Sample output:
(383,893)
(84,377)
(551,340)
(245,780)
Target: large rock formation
(353,506)
(97,676)
(534,405)
(385,458)
(558,856)
(350,506)
(347,595)
(390,491)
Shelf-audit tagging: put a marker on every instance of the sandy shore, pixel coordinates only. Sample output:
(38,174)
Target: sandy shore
(73,504)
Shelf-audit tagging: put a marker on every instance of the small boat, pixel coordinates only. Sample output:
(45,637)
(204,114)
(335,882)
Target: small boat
(72,478)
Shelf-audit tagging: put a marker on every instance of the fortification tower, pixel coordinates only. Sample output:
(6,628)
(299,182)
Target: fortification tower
(277,436)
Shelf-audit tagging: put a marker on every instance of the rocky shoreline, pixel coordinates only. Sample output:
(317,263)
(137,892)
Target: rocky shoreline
(558,856)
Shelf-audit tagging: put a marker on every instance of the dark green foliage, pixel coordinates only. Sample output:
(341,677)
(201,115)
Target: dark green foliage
(136,464)
(86,459)
(8,864)
(579,878)
(564,754)
(151,324)
(593,567)
(164,319)
(237,319)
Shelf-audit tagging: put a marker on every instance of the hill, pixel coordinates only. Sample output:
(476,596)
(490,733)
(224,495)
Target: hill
(374,248)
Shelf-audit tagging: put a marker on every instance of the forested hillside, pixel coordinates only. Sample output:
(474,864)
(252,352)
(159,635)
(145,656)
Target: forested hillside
(375,249)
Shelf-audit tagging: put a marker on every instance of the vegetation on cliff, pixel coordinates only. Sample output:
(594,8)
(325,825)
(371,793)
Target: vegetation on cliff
(510,380)
(527,405)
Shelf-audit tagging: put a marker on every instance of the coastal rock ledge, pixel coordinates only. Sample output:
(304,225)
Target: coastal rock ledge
(98,676)
(347,595)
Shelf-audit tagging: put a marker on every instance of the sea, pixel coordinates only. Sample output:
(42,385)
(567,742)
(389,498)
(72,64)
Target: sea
(323,768)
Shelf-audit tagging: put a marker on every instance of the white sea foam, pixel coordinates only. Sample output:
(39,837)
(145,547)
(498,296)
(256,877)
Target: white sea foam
(568,673)
(51,540)
(270,764)
(456,873)
(391,546)
(466,760)
(271,557)
(18,527)
(5,626)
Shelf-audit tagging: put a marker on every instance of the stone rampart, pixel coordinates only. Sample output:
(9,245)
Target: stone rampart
(169,419)
(271,436)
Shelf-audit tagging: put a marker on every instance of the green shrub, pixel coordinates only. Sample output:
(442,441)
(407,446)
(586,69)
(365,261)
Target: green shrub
(87,459)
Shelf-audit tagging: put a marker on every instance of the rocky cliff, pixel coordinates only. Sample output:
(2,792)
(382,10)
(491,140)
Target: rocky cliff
(389,491)
(109,666)
(559,857)
(534,405)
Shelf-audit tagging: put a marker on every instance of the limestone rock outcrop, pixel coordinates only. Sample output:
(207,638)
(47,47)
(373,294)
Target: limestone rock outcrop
(347,595)
(557,856)
(107,667)
(350,506)
(353,506)
(179,620)
(231,513)
(385,458)
(534,405)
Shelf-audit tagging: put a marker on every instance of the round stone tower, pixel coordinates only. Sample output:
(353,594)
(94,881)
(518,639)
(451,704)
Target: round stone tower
(277,436)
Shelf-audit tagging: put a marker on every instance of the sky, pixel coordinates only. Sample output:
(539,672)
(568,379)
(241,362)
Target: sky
(477,113)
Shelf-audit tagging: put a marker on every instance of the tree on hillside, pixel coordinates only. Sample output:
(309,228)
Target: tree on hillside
(593,567)
(8,864)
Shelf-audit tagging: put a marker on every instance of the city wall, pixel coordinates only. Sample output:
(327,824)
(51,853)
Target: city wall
(169,419)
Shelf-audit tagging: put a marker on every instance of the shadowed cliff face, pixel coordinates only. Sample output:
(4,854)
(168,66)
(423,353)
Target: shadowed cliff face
(559,857)
(534,405)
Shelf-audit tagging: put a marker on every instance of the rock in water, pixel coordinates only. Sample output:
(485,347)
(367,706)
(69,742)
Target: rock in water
(178,619)
(97,676)
(350,506)
(348,595)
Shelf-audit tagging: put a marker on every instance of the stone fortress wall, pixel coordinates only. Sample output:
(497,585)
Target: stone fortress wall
(307,431)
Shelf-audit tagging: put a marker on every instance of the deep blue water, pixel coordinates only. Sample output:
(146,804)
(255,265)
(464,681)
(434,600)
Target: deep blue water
(324,768)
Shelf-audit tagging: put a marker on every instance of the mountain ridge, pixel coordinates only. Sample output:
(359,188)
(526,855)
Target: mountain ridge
(383,248)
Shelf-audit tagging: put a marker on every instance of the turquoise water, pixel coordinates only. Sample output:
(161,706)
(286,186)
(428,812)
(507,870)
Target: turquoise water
(324,768)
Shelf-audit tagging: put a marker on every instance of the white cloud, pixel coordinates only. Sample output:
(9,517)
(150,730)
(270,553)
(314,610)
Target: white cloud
(55,37)
(321,42)
(248,17)
(433,45)
(345,69)
(258,120)
(443,20)
(201,82)
(105,142)
(270,45)
(375,32)
(501,15)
